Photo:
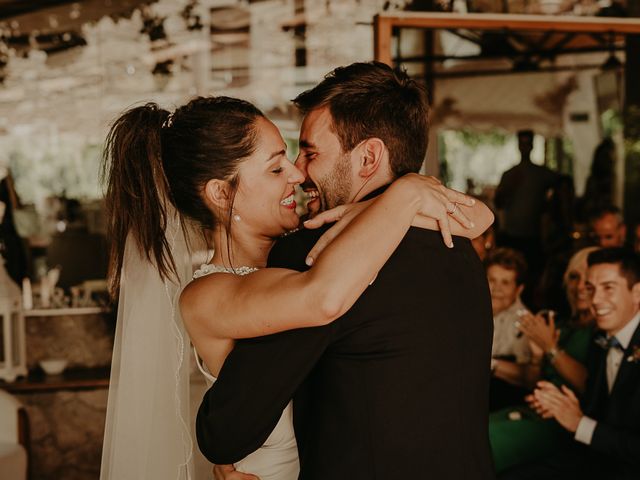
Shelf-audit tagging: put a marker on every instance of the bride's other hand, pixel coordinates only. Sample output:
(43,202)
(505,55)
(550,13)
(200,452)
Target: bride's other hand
(228,472)
(341,212)
(342,216)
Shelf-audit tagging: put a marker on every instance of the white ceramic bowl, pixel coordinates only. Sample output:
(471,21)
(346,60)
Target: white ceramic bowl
(53,366)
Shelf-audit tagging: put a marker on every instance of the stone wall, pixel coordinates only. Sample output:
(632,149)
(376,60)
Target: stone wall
(66,430)
(67,426)
(83,340)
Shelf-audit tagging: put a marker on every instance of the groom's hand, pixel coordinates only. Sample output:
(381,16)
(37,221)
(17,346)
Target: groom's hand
(228,472)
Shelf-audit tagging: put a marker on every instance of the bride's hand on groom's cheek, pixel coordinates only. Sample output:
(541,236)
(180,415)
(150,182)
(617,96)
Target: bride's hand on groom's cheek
(228,472)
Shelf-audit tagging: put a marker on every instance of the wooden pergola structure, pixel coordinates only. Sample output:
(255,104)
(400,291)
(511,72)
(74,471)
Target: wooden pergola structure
(535,41)
(536,36)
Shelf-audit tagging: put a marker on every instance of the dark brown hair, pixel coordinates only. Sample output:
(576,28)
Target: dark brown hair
(369,100)
(626,259)
(152,157)
(509,259)
(604,210)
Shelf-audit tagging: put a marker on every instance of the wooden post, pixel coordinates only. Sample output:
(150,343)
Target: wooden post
(382,40)
(632,126)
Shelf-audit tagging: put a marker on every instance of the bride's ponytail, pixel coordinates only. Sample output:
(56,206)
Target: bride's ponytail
(137,189)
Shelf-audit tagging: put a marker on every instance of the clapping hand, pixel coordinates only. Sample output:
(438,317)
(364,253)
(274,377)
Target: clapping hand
(228,472)
(537,407)
(544,336)
(562,404)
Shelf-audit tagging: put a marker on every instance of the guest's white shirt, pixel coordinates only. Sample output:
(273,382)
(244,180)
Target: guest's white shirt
(507,338)
(587,425)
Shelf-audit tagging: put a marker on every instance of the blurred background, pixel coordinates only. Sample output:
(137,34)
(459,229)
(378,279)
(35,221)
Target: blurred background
(67,69)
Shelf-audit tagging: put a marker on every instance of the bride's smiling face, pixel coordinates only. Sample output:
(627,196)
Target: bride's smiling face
(264,198)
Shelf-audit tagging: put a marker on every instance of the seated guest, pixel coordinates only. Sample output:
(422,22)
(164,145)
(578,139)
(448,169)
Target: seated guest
(607,227)
(605,423)
(518,435)
(506,270)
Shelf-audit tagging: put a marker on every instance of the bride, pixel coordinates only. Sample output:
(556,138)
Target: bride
(218,164)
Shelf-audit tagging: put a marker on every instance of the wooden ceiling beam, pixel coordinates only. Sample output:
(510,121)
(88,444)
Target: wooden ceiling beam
(599,27)
(485,21)
(12,8)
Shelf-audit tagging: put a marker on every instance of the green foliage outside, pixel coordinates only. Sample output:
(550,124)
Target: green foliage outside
(474,138)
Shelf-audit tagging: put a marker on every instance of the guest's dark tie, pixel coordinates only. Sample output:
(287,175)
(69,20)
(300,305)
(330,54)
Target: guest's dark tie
(607,343)
(614,343)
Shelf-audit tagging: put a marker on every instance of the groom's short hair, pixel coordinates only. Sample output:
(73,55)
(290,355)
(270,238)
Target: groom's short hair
(372,100)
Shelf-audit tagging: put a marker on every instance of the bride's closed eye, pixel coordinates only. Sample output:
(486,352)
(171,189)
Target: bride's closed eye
(277,170)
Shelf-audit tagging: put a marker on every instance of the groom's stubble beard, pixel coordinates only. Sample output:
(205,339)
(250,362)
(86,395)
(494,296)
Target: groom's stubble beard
(336,185)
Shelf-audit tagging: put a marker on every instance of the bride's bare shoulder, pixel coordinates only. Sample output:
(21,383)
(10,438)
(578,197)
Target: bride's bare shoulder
(202,295)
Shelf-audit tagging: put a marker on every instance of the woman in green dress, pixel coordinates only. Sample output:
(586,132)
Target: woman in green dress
(517,434)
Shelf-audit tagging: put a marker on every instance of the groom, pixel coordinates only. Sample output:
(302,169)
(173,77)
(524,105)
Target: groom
(397,387)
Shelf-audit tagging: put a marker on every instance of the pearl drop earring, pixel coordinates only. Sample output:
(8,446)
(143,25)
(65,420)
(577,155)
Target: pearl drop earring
(237,218)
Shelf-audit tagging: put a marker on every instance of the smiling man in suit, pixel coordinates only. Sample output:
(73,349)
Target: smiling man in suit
(606,422)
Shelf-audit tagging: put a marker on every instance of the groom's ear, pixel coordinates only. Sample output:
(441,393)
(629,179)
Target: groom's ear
(635,293)
(373,151)
(217,193)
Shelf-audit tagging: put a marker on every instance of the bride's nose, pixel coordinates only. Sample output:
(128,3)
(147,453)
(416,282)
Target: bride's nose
(295,175)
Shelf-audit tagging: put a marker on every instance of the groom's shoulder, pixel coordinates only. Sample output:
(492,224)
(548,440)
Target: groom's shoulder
(290,251)
(420,238)
(427,248)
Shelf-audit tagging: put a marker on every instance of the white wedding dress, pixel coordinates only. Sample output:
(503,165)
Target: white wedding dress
(277,459)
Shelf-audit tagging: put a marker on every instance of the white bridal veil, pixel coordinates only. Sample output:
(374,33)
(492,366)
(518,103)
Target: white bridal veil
(147,431)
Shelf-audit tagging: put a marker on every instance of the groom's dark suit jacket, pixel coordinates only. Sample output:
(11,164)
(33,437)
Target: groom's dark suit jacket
(397,388)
